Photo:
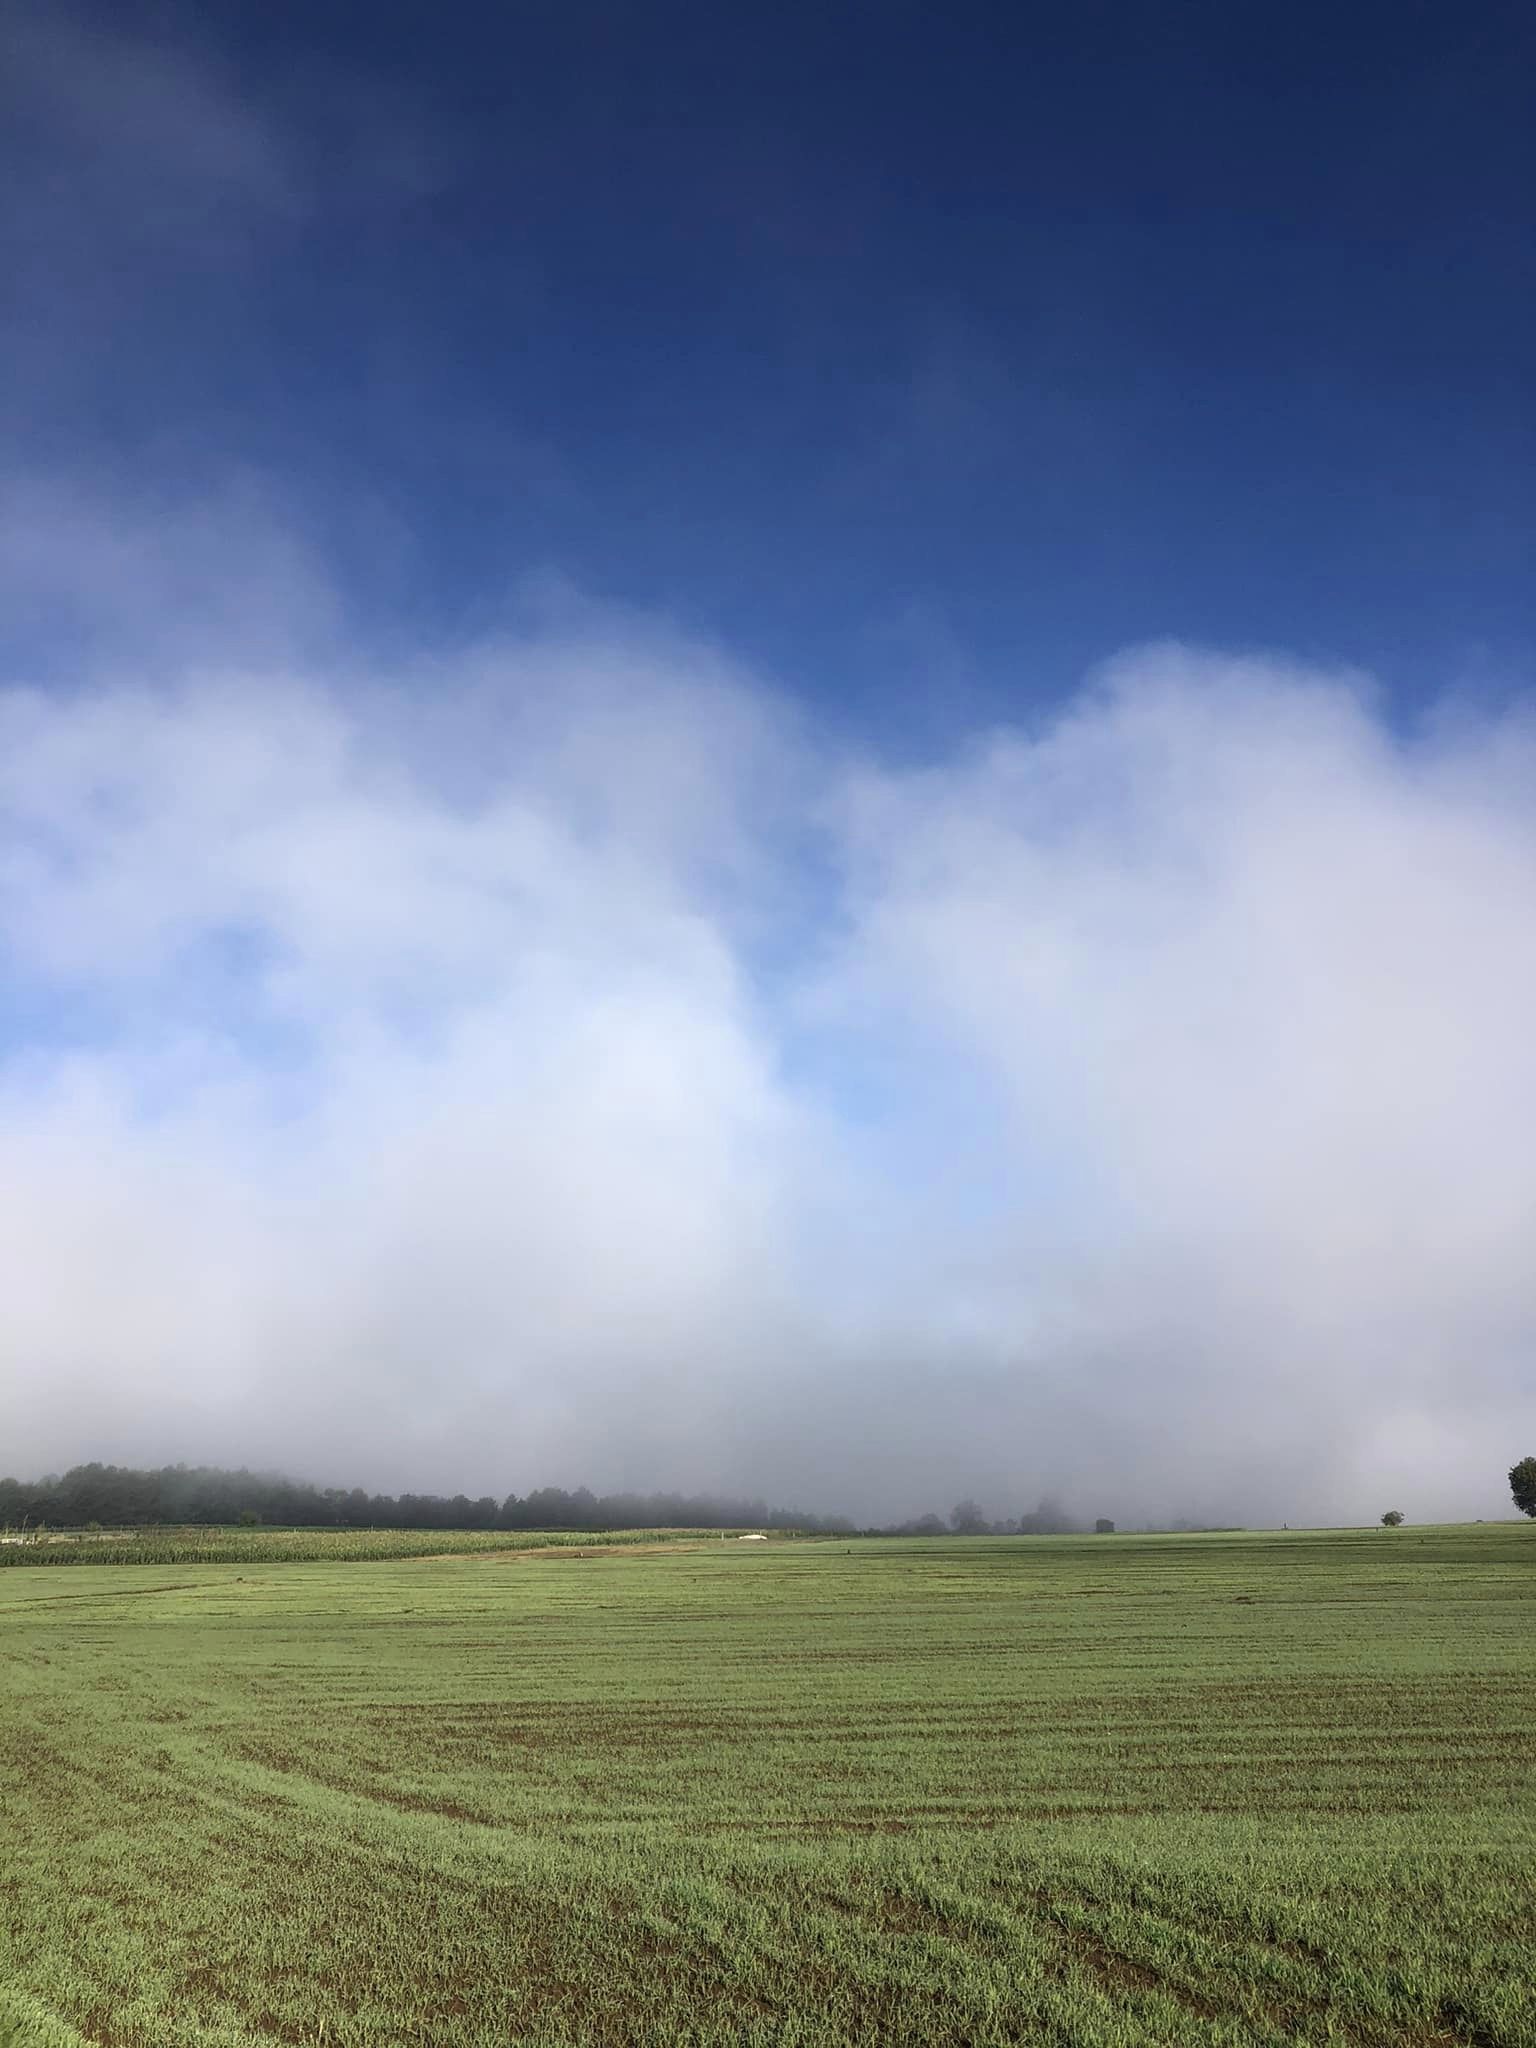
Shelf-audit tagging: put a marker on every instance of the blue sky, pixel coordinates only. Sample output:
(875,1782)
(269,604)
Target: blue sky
(783,748)
(927,356)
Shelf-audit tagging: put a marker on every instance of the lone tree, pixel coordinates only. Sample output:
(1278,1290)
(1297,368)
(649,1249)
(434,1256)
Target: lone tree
(1522,1484)
(1392,1519)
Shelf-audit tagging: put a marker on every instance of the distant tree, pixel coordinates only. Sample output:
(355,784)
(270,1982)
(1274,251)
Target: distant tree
(968,1520)
(249,1519)
(1050,1518)
(1522,1484)
(1103,1527)
(1392,1519)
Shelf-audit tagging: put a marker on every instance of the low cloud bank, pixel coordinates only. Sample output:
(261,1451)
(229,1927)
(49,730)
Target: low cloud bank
(559,1056)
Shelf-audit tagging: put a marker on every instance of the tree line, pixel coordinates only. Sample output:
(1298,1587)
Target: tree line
(119,1496)
(968,1518)
(122,1496)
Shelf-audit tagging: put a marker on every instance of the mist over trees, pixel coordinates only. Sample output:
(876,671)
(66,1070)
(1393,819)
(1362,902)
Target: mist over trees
(968,1518)
(209,1495)
(122,1496)
(119,1496)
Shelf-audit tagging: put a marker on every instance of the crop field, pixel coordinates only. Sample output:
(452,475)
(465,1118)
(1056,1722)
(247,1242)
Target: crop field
(1094,1792)
(196,1544)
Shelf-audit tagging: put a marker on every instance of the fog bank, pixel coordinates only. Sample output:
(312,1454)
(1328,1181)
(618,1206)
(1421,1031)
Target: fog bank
(556,1060)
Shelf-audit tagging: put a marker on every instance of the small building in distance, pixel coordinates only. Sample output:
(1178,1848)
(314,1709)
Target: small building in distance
(1103,1527)
(753,1536)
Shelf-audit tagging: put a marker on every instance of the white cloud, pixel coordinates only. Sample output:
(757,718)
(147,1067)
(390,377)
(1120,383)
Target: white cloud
(1252,976)
(551,1062)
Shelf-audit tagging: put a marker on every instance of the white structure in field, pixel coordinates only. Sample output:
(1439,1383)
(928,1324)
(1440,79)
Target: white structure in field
(757,1536)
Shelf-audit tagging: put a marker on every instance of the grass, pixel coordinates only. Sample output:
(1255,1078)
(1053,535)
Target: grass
(1215,1790)
(199,1544)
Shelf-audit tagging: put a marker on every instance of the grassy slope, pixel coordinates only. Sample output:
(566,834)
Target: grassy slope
(1240,1789)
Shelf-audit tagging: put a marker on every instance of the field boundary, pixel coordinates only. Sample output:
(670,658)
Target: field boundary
(220,1545)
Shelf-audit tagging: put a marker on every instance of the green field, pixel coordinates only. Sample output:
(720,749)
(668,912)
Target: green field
(198,1545)
(1104,1791)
